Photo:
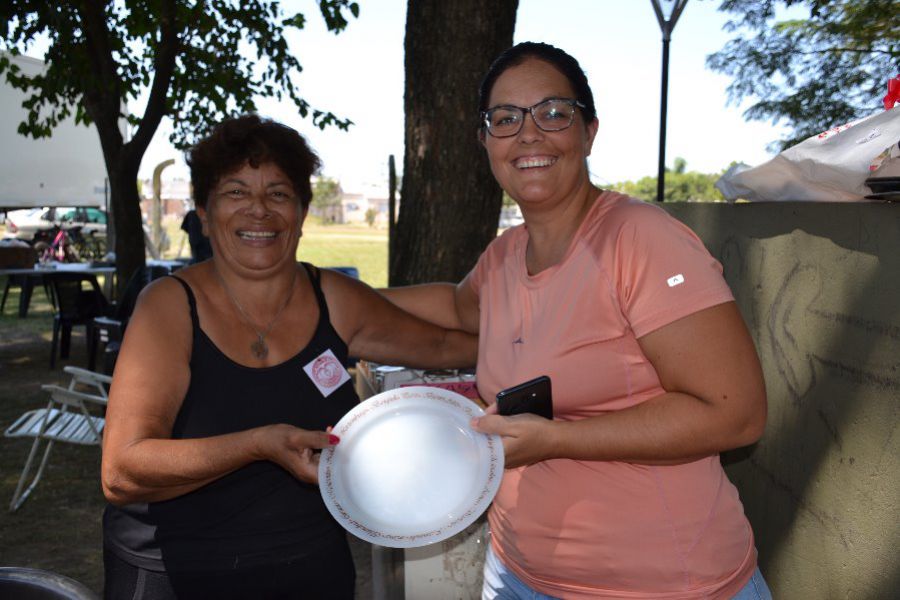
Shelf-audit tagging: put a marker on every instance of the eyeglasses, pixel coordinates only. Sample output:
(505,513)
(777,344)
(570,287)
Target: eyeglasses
(553,114)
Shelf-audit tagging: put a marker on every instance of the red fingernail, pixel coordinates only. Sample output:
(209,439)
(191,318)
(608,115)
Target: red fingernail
(333,439)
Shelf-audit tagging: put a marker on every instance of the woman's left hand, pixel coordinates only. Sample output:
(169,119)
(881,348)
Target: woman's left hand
(527,438)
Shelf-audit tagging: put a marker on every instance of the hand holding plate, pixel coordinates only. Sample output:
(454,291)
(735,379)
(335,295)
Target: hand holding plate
(527,438)
(292,448)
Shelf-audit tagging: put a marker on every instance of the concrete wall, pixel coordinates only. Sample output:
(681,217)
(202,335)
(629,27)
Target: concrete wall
(819,286)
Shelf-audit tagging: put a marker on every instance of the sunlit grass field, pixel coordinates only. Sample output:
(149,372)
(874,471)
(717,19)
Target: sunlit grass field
(347,246)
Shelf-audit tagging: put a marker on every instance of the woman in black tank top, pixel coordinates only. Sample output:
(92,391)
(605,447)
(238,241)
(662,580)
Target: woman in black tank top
(229,377)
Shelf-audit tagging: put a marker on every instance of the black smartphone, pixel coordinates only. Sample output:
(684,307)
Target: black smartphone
(530,397)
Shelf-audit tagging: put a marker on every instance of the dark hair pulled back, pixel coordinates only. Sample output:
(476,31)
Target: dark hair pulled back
(561,60)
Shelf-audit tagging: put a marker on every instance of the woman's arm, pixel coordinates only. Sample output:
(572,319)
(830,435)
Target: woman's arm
(378,330)
(444,304)
(715,400)
(141,463)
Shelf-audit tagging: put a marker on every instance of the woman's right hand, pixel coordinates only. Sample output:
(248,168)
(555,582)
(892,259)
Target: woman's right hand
(292,448)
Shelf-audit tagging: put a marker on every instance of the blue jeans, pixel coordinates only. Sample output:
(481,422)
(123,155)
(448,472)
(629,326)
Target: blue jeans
(756,589)
(501,584)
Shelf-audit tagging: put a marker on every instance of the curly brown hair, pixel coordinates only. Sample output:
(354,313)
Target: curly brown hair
(250,139)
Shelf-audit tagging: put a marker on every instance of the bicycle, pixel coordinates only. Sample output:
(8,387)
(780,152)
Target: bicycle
(87,246)
(57,244)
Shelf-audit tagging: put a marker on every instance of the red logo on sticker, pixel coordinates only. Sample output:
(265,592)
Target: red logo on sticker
(326,371)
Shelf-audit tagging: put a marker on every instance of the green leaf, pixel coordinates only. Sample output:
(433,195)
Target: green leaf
(812,73)
(298,21)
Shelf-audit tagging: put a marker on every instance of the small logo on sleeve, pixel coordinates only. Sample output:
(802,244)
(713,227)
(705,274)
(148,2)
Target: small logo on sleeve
(327,373)
(675,280)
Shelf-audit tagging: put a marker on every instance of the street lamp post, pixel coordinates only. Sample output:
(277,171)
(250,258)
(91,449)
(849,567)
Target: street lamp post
(667,13)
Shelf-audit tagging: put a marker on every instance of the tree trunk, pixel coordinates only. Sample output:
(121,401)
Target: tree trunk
(126,207)
(450,203)
(102,98)
(122,163)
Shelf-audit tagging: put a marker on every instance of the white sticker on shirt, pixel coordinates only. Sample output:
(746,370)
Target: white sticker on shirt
(327,372)
(675,280)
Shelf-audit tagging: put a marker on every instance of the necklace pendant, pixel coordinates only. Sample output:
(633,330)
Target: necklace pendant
(259,348)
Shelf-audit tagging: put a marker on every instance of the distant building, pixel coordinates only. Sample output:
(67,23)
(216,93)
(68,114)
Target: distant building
(354,206)
(175,195)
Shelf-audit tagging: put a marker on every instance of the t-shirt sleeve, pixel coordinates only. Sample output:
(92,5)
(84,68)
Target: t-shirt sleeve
(663,271)
(492,258)
(476,275)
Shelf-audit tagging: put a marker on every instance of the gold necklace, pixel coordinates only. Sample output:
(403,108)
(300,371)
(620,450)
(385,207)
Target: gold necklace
(259,348)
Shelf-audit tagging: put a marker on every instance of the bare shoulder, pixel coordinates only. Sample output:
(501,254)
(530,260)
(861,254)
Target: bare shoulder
(343,292)
(161,292)
(162,306)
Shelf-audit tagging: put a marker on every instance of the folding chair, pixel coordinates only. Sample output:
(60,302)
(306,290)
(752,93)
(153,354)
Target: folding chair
(66,418)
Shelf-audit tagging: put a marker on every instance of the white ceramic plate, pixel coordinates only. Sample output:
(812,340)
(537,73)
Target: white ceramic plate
(409,470)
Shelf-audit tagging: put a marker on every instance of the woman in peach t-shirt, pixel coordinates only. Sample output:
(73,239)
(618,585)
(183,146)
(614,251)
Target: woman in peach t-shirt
(654,373)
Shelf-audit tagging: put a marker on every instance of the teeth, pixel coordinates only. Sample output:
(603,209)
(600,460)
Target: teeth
(528,163)
(256,235)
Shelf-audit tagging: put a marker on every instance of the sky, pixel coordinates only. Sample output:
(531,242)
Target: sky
(359,75)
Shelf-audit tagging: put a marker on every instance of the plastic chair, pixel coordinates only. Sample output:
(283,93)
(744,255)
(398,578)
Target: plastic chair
(74,306)
(109,330)
(349,271)
(11,280)
(23,583)
(66,418)
(25,283)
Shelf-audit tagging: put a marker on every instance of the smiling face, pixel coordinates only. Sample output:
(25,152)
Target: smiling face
(539,168)
(253,218)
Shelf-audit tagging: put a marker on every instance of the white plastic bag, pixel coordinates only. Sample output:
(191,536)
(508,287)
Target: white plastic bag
(828,167)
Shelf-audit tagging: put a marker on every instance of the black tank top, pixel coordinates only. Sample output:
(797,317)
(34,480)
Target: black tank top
(259,514)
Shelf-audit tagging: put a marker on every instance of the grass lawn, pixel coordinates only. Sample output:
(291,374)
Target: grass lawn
(347,246)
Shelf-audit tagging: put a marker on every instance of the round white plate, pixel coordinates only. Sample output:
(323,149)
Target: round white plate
(409,469)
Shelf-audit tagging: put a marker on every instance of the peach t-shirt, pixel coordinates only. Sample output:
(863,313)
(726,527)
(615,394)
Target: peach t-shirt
(594,529)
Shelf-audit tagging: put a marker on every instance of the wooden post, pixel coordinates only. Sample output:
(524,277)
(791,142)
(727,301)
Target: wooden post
(392,205)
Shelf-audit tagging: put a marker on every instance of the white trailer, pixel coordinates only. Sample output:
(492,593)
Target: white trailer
(66,169)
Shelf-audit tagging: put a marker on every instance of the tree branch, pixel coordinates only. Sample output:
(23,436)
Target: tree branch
(100,87)
(164,68)
(96,36)
(839,50)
